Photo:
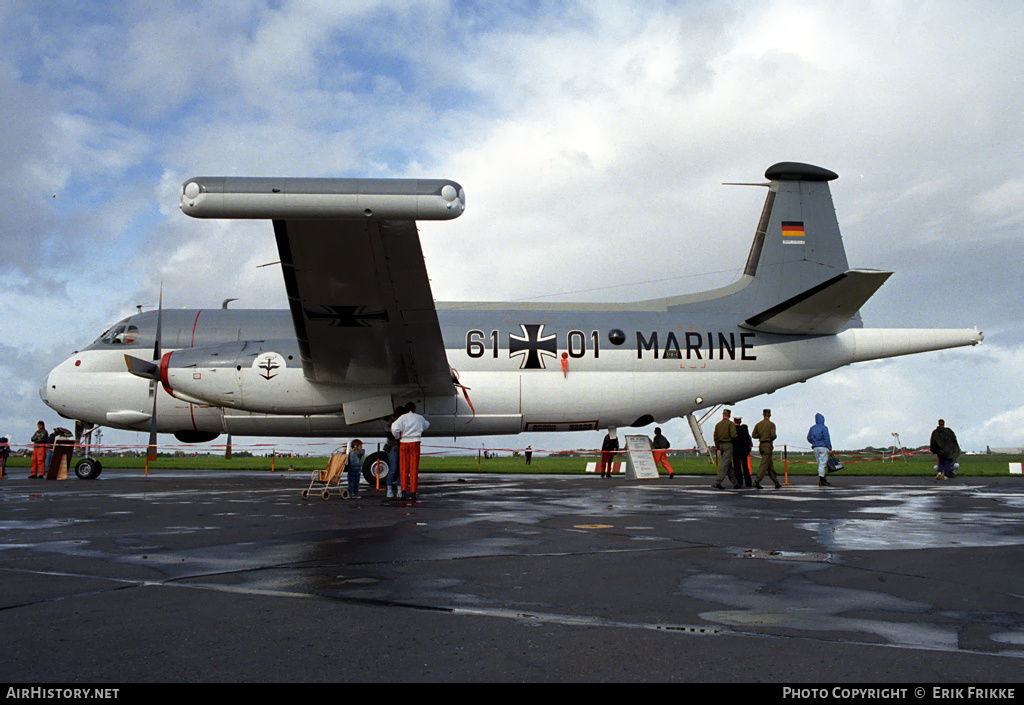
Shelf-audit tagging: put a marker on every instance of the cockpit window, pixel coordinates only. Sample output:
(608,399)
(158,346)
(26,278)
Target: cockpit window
(121,334)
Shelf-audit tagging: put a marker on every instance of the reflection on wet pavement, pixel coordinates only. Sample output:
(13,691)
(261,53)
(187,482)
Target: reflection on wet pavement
(889,565)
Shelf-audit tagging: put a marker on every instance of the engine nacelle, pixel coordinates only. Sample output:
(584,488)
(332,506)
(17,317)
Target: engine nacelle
(257,376)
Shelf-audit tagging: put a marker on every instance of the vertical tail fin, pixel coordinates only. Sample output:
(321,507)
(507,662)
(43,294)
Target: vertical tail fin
(801,281)
(797,244)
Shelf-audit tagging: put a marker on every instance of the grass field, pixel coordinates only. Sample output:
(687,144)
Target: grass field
(801,464)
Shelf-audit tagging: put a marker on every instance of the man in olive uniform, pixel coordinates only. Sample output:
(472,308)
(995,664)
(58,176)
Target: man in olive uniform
(764,431)
(725,434)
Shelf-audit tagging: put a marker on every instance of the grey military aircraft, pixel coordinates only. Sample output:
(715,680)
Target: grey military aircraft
(359,340)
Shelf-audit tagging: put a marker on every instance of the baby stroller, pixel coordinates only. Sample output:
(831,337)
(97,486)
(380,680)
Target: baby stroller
(329,476)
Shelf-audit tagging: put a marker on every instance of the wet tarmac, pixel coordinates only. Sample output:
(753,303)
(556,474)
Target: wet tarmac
(206,577)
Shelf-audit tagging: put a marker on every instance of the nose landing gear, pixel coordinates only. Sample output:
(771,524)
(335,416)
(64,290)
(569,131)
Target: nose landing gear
(88,468)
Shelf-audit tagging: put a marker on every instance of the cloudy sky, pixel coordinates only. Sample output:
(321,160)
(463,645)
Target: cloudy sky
(592,139)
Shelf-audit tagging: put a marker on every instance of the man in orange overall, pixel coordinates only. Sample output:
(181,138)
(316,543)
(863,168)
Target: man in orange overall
(661,446)
(39,451)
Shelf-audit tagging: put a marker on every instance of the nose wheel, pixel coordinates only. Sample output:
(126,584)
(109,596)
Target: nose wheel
(88,469)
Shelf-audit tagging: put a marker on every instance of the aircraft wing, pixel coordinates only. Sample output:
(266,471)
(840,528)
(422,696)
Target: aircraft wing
(361,303)
(823,309)
(353,268)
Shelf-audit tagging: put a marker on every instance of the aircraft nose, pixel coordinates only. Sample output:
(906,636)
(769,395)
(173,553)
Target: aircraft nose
(43,387)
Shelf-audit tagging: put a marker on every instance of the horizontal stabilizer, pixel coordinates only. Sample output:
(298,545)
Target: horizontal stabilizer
(823,309)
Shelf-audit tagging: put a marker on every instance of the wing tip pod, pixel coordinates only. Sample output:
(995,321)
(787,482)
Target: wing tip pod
(268,198)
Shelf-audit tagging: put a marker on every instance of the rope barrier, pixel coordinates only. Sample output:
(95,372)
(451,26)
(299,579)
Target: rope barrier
(853,457)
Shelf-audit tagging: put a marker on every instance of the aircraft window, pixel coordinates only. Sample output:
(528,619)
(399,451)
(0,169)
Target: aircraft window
(129,335)
(121,334)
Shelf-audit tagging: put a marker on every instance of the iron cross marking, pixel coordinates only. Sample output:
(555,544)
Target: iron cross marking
(532,345)
(347,316)
(268,366)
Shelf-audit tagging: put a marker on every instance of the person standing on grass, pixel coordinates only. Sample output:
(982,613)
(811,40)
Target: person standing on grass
(944,444)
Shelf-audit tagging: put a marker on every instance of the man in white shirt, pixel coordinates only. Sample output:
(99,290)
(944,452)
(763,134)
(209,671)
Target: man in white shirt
(408,429)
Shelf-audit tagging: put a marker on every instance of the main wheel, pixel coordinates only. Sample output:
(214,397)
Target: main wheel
(88,469)
(376,465)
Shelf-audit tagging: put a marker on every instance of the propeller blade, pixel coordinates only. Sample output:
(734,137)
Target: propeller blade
(159,318)
(155,372)
(151,450)
(142,368)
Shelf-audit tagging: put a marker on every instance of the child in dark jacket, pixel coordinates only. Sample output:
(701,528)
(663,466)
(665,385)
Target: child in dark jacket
(354,466)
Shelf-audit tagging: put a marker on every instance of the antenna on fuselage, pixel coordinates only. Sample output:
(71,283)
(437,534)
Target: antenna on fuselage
(224,305)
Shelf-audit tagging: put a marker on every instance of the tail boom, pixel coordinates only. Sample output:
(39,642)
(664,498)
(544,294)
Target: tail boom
(879,343)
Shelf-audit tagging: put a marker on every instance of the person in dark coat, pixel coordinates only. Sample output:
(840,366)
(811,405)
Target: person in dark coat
(354,467)
(741,454)
(608,448)
(392,447)
(946,449)
(39,451)
(5,452)
(660,446)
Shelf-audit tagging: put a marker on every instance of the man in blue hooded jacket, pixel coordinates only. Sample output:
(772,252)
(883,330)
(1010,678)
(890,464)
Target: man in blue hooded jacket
(821,444)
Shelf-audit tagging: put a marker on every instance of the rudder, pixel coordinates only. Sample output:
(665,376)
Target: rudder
(797,245)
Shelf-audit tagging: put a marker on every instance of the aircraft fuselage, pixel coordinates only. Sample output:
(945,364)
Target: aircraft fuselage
(238,371)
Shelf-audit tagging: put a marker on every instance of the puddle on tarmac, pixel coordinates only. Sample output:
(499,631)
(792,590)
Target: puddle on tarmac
(918,520)
(801,556)
(796,602)
(39,524)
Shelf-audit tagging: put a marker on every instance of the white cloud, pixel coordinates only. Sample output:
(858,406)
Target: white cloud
(592,141)
(1002,205)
